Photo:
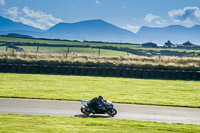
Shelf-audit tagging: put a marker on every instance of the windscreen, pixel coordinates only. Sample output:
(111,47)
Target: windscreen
(84,102)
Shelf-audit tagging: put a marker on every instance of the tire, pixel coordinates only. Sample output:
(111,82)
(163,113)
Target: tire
(112,112)
(85,110)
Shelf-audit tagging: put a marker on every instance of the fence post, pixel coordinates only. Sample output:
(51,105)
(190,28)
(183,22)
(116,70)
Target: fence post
(68,50)
(99,51)
(37,48)
(6,47)
(127,53)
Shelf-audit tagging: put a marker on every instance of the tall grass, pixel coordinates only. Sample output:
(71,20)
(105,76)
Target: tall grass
(115,61)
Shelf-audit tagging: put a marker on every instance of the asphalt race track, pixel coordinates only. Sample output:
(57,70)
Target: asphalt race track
(125,111)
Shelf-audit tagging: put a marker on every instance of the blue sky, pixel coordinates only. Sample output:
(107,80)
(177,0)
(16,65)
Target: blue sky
(128,14)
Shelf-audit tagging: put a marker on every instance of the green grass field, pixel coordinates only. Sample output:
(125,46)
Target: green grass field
(2,48)
(65,49)
(132,46)
(11,39)
(122,90)
(27,123)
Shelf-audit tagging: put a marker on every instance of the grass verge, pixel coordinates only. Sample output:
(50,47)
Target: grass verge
(122,90)
(27,123)
(80,57)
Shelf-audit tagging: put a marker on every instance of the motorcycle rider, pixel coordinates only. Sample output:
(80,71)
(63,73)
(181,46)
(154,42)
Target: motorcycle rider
(94,104)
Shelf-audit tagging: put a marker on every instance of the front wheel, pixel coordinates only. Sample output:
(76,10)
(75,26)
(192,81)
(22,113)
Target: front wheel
(85,110)
(112,112)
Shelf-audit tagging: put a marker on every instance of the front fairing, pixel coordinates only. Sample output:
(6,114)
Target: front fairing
(85,103)
(109,104)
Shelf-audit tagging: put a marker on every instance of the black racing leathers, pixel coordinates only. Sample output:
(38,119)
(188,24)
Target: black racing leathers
(93,104)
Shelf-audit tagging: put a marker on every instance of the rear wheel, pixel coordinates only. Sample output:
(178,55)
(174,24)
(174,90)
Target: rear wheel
(112,112)
(85,110)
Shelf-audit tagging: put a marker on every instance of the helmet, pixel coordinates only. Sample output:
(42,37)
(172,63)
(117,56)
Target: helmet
(100,98)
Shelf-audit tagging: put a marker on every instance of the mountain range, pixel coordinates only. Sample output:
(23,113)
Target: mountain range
(174,33)
(90,30)
(99,30)
(7,25)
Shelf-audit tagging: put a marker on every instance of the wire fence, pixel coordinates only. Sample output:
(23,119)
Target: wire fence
(65,49)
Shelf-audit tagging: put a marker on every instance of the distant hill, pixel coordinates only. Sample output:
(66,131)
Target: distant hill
(7,25)
(174,33)
(19,35)
(98,30)
(90,30)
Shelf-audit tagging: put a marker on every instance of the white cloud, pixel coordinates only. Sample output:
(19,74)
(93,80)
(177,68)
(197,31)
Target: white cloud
(98,2)
(12,13)
(132,28)
(30,22)
(2,2)
(150,17)
(160,22)
(188,14)
(33,18)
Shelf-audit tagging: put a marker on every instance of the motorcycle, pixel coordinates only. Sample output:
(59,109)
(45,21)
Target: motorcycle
(104,107)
